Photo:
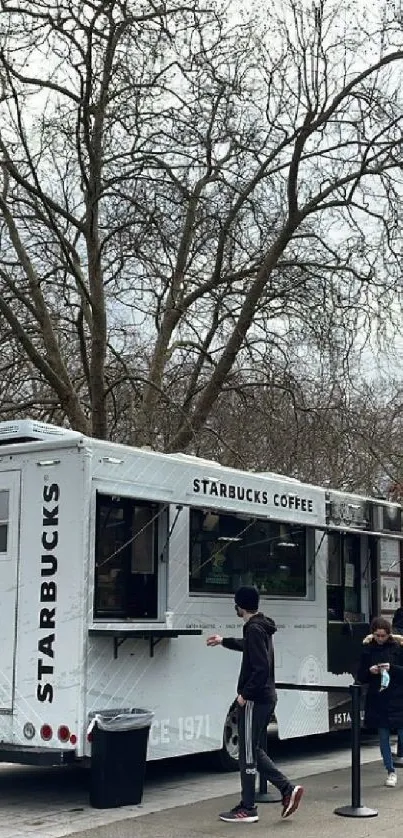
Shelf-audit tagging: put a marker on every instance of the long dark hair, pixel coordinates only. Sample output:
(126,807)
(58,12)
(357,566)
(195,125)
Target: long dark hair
(382,624)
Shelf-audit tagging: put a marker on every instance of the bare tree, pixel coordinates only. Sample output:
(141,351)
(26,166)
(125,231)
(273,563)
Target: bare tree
(311,421)
(68,73)
(181,193)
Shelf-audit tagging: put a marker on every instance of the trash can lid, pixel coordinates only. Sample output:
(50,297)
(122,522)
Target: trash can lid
(132,720)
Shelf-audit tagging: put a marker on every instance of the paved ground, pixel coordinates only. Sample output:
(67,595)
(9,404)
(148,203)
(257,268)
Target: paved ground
(315,817)
(182,798)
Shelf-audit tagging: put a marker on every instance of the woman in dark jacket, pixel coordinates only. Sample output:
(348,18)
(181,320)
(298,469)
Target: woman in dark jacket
(381,667)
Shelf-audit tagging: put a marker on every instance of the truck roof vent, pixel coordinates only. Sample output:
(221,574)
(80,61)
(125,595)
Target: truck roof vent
(29,430)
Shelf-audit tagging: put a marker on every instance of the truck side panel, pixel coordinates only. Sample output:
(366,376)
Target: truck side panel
(50,612)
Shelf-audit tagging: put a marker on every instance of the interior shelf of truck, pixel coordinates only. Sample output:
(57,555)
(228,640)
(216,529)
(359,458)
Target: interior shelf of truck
(154,635)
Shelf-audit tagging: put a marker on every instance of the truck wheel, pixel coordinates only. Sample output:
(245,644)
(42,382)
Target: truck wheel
(228,756)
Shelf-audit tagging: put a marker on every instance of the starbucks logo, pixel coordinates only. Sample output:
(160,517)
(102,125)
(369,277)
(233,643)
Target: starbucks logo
(310,673)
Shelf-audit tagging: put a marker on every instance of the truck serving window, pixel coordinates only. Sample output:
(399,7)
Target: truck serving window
(227,551)
(344,577)
(4,504)
(126,568)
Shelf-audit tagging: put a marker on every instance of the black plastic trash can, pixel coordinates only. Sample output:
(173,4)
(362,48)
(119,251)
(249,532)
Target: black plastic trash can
(118,758)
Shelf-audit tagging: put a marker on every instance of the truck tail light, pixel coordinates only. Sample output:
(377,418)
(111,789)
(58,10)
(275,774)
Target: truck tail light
(63,733)
(46,732)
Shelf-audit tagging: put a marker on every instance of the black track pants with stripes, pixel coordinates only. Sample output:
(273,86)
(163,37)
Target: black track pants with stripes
(252,728)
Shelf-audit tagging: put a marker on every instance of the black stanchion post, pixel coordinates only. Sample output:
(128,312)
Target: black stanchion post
(398,756)
(263,795)
(356,810)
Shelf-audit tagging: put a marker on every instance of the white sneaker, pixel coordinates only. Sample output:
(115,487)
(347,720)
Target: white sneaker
(391,780)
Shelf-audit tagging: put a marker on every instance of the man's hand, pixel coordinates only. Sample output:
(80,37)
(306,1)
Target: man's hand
(241,701)
(214,640)
(374,670)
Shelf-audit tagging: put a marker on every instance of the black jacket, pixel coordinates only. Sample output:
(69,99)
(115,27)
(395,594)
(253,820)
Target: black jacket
(256,679)
(383,708)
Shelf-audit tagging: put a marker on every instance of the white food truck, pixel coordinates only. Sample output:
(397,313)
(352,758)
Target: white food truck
(117,562)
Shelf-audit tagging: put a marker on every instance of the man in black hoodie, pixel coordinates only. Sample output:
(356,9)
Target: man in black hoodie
(256,702)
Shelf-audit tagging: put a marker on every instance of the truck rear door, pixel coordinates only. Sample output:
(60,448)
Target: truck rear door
(9,558)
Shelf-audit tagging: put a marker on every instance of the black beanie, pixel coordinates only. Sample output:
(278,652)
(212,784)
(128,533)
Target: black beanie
(247,598)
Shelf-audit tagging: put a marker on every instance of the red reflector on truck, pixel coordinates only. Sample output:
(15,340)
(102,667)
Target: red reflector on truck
(46,732)
(63,733)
